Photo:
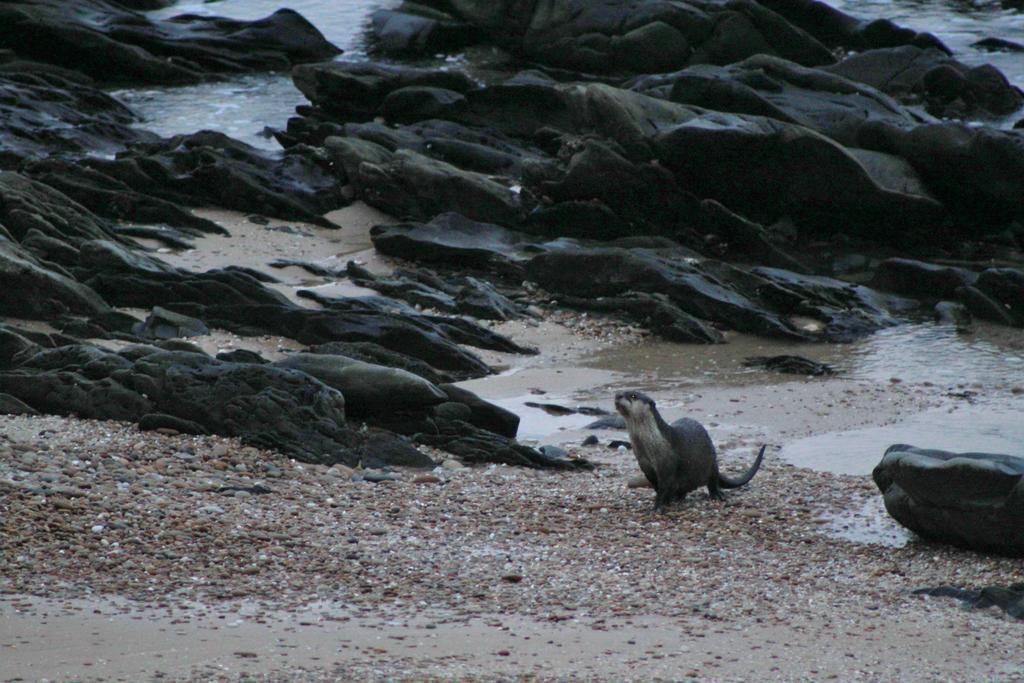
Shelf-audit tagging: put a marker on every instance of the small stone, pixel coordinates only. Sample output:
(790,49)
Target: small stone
(97,528)
(426,479)
(512,578)
(638,482)
(451,464)
(212,509)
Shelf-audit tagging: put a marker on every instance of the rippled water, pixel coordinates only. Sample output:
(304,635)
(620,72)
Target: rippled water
(958,23)
(243,107)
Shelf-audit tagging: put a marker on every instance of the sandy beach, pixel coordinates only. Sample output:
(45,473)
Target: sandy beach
(131,556)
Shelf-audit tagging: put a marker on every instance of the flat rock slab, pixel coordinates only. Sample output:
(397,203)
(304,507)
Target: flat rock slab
(971,500)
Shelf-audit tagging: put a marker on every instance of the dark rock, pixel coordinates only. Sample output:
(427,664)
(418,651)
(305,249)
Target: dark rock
(921,280)
(1005,286)
(369,352)
(948,88)
(34,290)
(590,441)
(383,449)
(609,422)
(1010,598)
(971,500)
(164,324)
(242,356)
(952,313)
(460,295)
(368,389)
(484,414)
(411,185)
(43,114)
(420,33)
(553,452)
(980,305)
(791,365)
(212,168)
(640,36)
(453,238)
(153,421)
(112,44)
(473,445)
(13,343)
(264,406)
(355,91)
(615,444)
(998,45)
(977,172)
(768,86)
(450,410)
(655,312)
(111,198)
(759,300)
(9,405)
(788,170)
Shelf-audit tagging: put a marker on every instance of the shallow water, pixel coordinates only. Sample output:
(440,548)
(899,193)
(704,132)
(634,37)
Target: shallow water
(977,428)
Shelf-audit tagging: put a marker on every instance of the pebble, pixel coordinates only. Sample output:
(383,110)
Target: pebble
(452,465)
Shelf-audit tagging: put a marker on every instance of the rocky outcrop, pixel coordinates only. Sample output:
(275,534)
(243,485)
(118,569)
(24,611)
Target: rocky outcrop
(945,87)
(45,113)
(113,44)
(971,500)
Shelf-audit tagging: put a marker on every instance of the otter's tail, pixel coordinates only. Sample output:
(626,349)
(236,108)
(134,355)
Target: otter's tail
(730,483)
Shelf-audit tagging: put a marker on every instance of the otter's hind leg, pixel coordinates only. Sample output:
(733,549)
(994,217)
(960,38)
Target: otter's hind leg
(714,491)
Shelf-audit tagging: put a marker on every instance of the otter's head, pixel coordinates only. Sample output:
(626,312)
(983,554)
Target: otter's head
(633,404)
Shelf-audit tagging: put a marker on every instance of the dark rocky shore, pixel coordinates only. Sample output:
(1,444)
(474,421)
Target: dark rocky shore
(777,168)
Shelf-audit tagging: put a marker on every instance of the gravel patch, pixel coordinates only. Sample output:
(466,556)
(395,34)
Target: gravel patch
(100,509)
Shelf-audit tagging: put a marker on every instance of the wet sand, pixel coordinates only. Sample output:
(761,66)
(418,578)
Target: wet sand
(503,573)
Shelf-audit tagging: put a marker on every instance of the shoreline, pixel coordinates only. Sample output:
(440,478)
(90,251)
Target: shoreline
(575,567)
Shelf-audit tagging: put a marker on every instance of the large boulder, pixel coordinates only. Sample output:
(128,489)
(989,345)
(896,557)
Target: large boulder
(947,88)
(776,88)
(971,500)
(368,389)
(113,44)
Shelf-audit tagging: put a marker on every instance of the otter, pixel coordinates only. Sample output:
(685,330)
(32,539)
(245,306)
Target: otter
(676,458)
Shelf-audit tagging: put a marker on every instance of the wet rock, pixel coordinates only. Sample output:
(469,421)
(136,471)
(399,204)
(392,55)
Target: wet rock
(655,312)
(483,414)
(157,421)
(769,86)
(982,306)
(921,280)
(971,500)
(368,389)
(453,238)
(474,445)
(952,313)
(212,168)
(369,352)
(1010,598)
(642,36)
(164,324)
(9,405)
(241,356)
(835,28)
(948,88)
(111,198)
(992,44)
(790,365)
(759,300)
(355,91)
(784,168)
(36,290)
(420,32)
(47,113)
(90,35)
(411,185)
(461,295)
(264,406)
(1005,286)
(383,449)
(977,172)
(609,422)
